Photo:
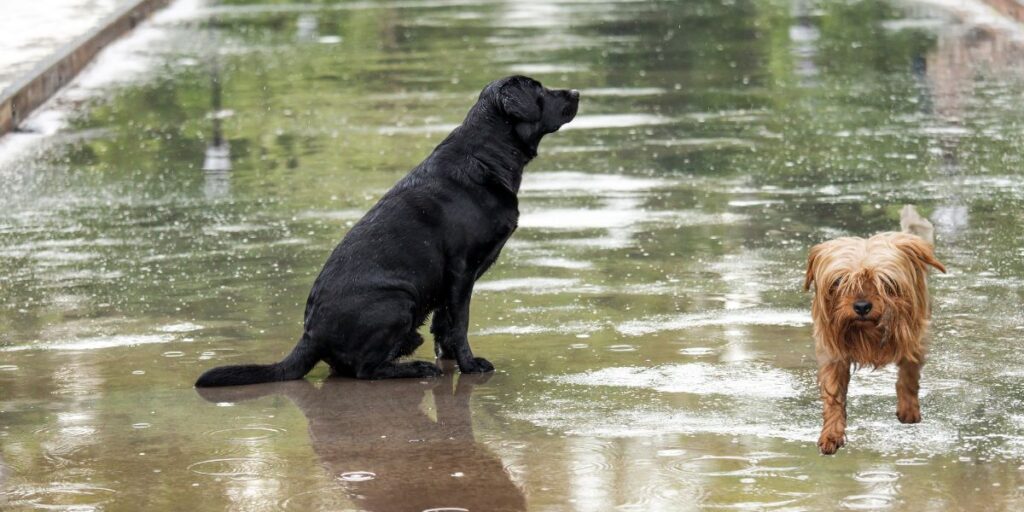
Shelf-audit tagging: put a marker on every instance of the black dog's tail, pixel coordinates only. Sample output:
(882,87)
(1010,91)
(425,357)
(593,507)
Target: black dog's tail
(302,359)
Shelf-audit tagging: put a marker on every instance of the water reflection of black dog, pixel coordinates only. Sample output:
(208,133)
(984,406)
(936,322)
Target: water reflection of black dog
(379,427)
(421,248)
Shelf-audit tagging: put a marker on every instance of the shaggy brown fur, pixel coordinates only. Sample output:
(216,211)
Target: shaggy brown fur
(870,308)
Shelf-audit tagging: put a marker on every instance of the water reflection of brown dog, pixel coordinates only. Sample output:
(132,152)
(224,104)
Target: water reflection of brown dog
(379,427)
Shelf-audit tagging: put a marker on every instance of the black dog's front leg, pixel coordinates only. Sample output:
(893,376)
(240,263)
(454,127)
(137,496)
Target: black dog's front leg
(451,325)
(439,328)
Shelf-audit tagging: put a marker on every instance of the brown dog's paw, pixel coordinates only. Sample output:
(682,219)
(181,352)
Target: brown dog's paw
(909,415)
(829,445)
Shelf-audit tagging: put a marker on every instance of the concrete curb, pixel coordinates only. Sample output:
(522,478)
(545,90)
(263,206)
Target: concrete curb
(1012,9)
(26,94)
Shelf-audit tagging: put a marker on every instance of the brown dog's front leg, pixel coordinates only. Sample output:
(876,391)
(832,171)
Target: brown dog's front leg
(833,381)
(908,409)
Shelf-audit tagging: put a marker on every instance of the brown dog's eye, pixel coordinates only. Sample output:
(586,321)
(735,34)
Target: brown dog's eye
(890,288)
(836,283)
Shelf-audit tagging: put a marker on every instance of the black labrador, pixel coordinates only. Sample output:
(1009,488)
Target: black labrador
(421,248)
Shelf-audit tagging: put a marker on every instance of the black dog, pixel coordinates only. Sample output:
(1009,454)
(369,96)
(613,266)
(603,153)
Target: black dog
(421,248)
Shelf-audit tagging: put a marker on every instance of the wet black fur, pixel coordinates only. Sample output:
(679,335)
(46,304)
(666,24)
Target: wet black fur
(421,248)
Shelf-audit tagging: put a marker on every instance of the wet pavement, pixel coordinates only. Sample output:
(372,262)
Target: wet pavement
(652,342)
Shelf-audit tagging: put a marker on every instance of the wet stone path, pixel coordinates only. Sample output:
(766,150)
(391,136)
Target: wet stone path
(652,341)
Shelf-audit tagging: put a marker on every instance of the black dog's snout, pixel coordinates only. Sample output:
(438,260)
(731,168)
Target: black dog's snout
(862,307)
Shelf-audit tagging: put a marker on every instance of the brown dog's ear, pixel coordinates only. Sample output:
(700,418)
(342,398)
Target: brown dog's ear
(812,265)
(918,250)
(518,98)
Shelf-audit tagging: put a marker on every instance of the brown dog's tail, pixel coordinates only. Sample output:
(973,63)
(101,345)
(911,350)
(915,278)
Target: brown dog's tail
(302,359)
(913,223)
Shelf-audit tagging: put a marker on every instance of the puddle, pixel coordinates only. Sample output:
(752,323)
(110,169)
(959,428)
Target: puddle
(535,284)
(247,434)
(743,380)
(740,317)
(242,468)
(60,496)
(96,343)
(586,183)
(652,342)
(592,122)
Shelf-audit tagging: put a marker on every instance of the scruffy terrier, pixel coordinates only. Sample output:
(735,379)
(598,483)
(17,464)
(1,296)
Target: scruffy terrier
(870,308)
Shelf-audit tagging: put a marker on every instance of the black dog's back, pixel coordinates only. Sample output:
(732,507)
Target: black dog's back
(421,247)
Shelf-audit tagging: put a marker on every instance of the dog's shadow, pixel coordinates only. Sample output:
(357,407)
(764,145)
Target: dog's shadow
(375,438)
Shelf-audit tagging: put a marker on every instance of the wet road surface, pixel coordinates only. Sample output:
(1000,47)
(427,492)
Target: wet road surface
(652,342)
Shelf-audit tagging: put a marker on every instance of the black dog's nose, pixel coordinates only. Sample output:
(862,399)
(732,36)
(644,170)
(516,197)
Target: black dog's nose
(574,94)
(862,307)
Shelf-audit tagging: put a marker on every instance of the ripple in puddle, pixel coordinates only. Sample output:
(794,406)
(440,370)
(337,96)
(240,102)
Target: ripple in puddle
(671,452)
(247,434)
(877,476)
(59,497)
(593,457)
(755,465)
(590,467)
(65,433)
(696,351)
(357,476)
(512,444)
(913,461)
(713,465)
(8,368)
(235,467)
(867,502)
(326,498)
(622,348)
(181,327)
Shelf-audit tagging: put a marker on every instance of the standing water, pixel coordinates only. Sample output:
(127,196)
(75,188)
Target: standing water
(652,341)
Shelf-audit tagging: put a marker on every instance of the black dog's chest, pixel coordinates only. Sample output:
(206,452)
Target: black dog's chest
(496,230)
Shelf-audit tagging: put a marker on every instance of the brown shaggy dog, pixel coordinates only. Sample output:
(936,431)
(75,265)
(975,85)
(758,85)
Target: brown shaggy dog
(870,308)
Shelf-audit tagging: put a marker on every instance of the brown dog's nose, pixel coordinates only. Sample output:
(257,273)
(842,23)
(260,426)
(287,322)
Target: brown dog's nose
(862,307)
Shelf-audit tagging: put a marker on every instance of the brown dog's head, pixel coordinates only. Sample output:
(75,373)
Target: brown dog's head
(869,293)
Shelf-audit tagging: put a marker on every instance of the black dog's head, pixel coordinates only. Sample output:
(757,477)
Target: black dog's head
(533,109)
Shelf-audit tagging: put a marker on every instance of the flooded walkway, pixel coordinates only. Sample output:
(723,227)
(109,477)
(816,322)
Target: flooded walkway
(652,341)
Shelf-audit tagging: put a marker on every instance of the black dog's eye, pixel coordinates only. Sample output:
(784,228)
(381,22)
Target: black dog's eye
(540,102)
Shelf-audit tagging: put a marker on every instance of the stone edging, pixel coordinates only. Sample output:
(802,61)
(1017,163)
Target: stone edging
(27,93)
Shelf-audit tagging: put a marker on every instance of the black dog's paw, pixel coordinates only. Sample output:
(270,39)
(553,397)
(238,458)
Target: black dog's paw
(425,369)
(478,365)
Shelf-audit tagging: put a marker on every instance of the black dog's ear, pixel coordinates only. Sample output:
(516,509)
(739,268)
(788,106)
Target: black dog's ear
(518,98)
